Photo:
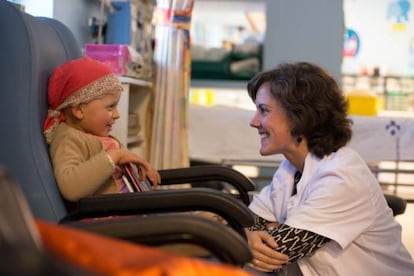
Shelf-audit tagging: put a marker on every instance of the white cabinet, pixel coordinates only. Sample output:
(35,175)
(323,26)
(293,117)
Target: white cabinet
(134,125)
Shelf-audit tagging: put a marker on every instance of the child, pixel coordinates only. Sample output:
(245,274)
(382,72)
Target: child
(83,95)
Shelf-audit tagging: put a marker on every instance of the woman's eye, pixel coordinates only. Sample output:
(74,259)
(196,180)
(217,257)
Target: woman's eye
(263,111)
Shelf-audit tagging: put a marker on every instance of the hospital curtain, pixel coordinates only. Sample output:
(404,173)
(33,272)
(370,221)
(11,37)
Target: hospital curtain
(169,136)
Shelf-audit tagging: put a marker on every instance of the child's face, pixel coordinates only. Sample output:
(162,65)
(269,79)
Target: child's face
(99,115)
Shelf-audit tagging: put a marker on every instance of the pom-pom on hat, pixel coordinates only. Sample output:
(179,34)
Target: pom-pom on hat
(77,81)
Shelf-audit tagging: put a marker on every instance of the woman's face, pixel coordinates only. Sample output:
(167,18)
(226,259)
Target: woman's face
(272,123)
(99,115)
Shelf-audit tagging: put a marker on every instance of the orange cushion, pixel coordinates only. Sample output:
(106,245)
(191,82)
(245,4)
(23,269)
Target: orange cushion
(109,256)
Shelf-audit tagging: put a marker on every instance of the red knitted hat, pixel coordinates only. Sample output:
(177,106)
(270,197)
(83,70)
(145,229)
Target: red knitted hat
(77,81)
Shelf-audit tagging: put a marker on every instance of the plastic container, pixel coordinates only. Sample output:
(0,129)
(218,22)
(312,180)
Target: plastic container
(115,55)
(363,103)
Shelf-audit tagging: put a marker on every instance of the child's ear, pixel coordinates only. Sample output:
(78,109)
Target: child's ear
(77,112)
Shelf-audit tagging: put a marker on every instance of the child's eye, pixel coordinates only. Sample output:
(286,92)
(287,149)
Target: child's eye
(111,107)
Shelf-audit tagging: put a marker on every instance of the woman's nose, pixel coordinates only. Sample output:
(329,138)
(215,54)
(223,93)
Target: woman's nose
(254,122)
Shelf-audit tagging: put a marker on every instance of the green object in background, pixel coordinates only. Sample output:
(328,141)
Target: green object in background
(210,69)
(396,100)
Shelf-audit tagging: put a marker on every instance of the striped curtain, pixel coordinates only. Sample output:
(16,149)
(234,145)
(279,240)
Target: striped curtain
(169,136)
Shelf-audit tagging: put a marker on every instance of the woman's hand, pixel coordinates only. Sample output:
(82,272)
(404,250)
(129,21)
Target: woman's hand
(124,156)
(263,248)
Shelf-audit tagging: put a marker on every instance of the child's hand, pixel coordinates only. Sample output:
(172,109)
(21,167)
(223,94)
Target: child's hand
(124,156)
(151,173)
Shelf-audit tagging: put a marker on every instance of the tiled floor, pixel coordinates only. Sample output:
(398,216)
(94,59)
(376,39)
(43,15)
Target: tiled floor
(407,222)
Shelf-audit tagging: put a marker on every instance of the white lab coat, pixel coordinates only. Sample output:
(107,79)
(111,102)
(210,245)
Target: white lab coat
(338,197)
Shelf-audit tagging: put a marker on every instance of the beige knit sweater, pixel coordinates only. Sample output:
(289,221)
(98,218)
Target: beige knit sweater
(80,164)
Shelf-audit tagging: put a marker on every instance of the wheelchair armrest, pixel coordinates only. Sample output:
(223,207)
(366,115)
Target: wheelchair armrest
(165,201)
(396,203)
(160,229)
(209,172)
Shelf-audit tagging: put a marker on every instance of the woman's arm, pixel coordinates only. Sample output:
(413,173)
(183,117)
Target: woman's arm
(294,242)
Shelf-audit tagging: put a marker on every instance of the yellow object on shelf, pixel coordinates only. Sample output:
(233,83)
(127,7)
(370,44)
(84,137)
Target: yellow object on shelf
(363,103)
(203,97)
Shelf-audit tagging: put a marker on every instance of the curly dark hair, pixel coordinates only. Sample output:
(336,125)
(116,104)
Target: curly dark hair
(313,102)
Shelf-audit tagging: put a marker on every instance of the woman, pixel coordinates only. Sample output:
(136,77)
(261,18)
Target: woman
(324,212)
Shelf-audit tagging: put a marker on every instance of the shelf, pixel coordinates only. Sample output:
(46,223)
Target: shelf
(135,99)
(134,139)
(395,91)
(226,84)
(134,81)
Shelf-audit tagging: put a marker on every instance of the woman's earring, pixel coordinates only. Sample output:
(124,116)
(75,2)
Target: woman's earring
(299,139)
